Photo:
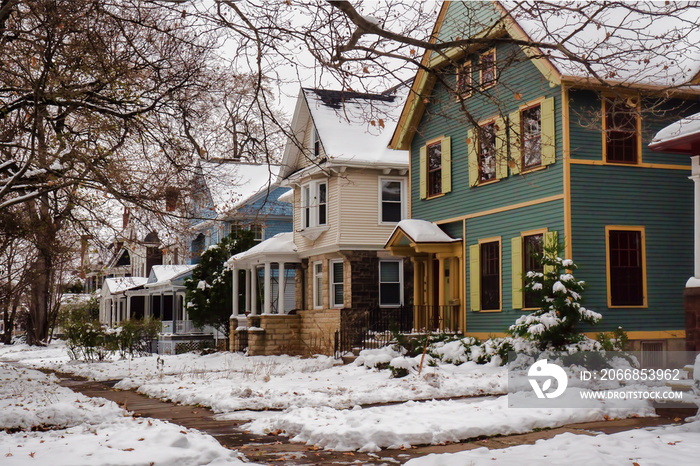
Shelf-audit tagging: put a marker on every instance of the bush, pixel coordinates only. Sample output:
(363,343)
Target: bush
(90,341)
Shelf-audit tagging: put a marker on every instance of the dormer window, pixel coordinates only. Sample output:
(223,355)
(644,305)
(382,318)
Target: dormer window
(488,68)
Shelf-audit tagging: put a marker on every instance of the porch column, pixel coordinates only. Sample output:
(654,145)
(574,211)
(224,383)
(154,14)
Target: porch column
(418,281)
(267,288)
(441,282)
(174,310)
(253,291)
(112,312)
(247,290)
(128,307)
(280,289)
(234,282)
(695,176)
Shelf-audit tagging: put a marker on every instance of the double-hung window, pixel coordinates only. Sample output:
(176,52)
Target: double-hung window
(315,142)
(621,131)
(314,204)
(488,68)
(531,130)
(434,169)
(390,283)
(626,267)
(463,85)
(490,266)
(336,283)
(532,262)
(391,200)
(487,152)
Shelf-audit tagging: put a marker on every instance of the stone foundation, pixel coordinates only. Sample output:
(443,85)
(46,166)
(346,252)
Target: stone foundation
(277,334)
(318,327)
(691,297)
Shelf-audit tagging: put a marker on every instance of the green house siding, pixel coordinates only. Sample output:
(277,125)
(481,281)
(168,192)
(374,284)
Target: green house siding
(507,225)
(465,21)
(586,139)
(659,200)
(518,84)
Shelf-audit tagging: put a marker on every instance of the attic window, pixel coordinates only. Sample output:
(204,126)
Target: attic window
(488,68)
(464,81)
(316,140)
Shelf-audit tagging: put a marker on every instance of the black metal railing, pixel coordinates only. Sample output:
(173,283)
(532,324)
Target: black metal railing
(373,328)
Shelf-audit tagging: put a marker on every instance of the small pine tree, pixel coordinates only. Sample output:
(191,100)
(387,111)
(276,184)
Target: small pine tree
(209,290)
(558,293)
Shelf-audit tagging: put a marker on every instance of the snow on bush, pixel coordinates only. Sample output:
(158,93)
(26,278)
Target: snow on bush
(377,357)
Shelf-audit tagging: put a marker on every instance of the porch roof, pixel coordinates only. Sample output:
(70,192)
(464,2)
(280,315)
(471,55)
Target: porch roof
(117,285)
(162,275)
(413,236)
(279,248)
(681,137)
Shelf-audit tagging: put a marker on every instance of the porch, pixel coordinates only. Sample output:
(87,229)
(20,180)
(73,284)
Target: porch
(438,265)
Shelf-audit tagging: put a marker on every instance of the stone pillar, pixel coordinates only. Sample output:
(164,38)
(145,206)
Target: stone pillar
(267,290)
(253,291)
(280,289)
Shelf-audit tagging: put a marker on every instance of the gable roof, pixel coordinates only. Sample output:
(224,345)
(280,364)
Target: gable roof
(119,284)
(231,184)
(354,128)
(622,45)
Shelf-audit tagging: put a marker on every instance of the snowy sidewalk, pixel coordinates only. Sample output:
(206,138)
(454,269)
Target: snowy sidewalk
(267,448)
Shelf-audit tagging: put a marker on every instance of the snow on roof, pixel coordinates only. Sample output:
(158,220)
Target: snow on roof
(117,285)
(681,129)
(344,124)
(164,273)
(422,231)
(638,43)
(288,197)
(282,244)
(232,183)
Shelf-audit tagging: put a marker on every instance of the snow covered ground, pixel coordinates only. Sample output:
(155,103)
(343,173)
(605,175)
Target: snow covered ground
(71,429)
(318,402)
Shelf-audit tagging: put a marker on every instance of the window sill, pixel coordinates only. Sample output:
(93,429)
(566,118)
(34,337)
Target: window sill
(434,196)
(312,233)
(532,170)
(488,311)
(486,183)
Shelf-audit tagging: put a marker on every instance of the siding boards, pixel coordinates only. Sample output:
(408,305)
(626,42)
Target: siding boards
(359,211)
(659,200)
(508,225)
(466,21)
(444,117)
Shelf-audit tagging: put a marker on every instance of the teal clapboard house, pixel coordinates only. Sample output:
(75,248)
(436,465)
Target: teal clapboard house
(512,146)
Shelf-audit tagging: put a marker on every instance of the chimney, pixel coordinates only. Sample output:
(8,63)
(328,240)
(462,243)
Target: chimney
(125,218)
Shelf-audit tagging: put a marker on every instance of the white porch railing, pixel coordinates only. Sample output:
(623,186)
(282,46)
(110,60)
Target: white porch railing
(180,327)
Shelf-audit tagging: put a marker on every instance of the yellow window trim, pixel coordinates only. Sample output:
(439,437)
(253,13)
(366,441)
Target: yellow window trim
(568,247)
(532,103)
(428,143)
(641,229)
(500,271)
(639,130)
(481,70)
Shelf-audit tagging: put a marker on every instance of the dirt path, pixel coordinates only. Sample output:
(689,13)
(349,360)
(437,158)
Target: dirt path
(278,450)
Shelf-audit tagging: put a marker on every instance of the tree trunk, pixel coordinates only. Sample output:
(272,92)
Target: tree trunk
(37,321)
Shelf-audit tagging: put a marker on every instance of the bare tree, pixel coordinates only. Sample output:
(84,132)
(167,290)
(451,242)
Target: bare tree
(94,99)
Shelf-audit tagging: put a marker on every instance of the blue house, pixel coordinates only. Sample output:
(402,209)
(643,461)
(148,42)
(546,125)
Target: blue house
(232,195)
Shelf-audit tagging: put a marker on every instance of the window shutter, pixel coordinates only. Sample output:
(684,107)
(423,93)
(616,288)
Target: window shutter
(549,238)
(516,245)
(474,278)
(516,153)
(446,169)
(423,172)
(548,132)
(472,158)
(501,149)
